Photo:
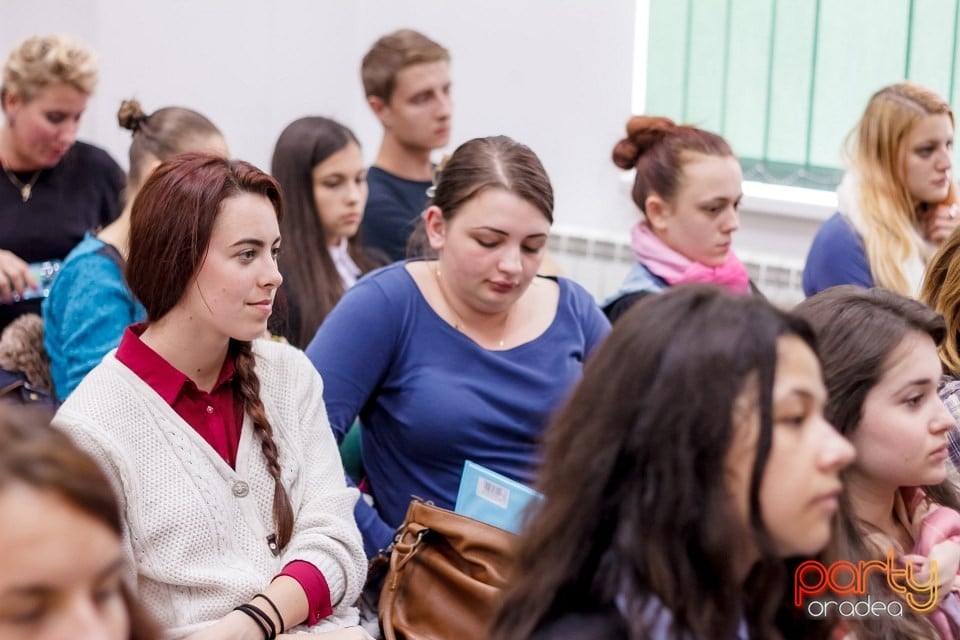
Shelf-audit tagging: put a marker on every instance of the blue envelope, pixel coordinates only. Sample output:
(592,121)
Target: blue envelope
(493,498)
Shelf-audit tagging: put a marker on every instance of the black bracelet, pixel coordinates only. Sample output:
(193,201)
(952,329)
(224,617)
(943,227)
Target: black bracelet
(263,620)
(283,625)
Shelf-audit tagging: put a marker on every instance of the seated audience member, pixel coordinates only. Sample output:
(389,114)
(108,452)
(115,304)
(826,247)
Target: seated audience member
(879,355)
(897,200)
(692,458)
(62,568)
(462,357)
(239,520)
(941,292)
(318,164)
(688,188)
(406,78)
(53,188)
(89,304)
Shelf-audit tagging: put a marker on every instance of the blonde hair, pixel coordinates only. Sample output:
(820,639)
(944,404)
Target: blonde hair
(40,61)
(941,292)
(875,151)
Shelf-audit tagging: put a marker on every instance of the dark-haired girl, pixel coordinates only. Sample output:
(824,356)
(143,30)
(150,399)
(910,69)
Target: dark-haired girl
(320,168)
(691,459)
(881,368)
(688,187)
(236,514)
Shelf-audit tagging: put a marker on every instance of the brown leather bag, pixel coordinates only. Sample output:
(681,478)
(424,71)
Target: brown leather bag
(445,576)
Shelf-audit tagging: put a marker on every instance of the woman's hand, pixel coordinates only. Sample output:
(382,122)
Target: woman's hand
(350,633)
(236,625)
(940,222)
(946,555)
(15,276)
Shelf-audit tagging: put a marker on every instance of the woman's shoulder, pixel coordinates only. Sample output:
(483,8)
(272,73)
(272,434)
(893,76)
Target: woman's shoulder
(390,287)
(280,355)
(105,400)
(85,163)
(91,156)
(390,279)
(92,253)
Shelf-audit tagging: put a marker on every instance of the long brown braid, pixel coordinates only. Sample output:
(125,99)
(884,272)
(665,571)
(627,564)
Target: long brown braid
(249,387)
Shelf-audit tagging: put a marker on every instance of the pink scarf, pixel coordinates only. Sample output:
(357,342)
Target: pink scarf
(676,268)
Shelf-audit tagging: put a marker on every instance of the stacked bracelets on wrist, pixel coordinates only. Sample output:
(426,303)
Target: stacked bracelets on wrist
(262,620)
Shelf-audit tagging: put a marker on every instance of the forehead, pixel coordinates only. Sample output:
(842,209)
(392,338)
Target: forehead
(421,77)
(932,126)
(798,369)
(53,541)
(246,215)
(61,97)
(710,175)
(503,210)
(914,358)
(349,158)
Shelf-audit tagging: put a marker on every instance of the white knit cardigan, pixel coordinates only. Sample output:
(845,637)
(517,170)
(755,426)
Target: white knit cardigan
(195,529)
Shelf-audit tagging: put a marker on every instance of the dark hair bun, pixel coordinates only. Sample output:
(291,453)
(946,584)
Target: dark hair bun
(131,115)
(643,132)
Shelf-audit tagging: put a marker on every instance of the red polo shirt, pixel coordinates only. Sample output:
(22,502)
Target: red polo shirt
(218,417)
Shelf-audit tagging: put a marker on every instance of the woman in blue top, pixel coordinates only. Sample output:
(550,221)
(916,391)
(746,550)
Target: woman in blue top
(89,304)
(461,357)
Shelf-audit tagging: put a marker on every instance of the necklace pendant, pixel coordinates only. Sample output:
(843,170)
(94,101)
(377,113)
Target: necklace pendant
(26,191)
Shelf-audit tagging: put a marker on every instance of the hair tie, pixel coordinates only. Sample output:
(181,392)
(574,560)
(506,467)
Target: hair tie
(138,122)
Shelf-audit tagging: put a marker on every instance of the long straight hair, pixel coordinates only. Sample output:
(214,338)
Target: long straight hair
(170,227)
(309,272)
(637,502)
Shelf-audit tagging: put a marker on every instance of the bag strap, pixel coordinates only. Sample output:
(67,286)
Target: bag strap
(399,558)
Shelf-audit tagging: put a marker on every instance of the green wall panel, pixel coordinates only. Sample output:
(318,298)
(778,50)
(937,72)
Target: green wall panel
(785,80)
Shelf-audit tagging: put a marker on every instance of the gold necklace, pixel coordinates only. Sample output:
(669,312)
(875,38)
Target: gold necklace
(460,325)
(26,188)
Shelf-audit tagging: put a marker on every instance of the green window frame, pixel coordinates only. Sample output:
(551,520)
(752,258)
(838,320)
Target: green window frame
(784,81)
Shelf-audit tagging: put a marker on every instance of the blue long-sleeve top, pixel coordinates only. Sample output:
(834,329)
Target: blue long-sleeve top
(84,316)
(837,256)
(430,398)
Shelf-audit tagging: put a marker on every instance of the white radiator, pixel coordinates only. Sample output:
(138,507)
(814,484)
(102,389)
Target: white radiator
(600,260)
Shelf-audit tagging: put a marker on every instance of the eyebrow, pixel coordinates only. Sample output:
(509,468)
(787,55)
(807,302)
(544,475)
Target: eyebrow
(39,590)
(804,394)
(739,196)
(254,241)
(504,233)
(919,382)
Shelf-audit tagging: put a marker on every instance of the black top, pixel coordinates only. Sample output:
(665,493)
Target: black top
(606,624)
(393,209)
(81,193)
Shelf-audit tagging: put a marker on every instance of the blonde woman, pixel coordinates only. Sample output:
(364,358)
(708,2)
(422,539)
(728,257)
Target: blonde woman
(897,201)
(53,189)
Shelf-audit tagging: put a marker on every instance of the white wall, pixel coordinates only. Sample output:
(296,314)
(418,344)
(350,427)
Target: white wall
(554,74)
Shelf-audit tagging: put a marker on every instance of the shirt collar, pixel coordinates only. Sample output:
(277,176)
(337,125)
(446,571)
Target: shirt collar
(160,375)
